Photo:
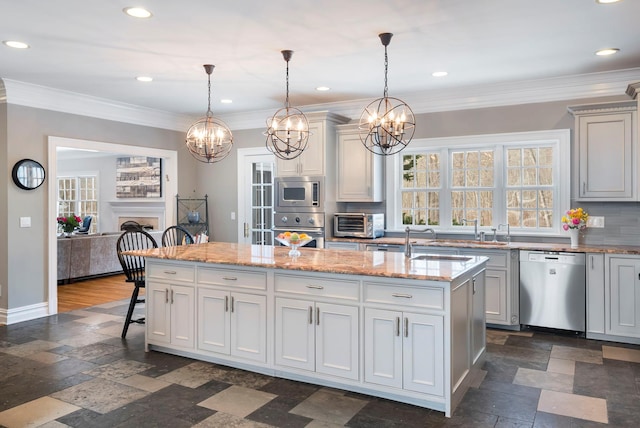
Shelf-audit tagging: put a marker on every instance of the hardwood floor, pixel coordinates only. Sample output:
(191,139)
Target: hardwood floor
(91,292)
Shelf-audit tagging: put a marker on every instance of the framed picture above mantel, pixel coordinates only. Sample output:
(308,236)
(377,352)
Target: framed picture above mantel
(138,177)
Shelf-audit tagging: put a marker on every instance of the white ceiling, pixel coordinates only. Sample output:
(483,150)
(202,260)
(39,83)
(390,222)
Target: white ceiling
(91,47)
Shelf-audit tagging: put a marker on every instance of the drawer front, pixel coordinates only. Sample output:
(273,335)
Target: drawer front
(232,278)
(420,297)
(497,259)
(317,286)
(170,272)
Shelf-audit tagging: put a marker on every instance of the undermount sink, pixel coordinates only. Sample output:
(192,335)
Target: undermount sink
(442,257)
(490,242)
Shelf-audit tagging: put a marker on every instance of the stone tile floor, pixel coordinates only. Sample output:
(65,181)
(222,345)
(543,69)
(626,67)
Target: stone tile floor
(73,370)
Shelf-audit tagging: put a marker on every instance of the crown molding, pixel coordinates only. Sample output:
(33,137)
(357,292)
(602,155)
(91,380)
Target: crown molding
(615,106)
(36,96)
(592,85)
(633,90)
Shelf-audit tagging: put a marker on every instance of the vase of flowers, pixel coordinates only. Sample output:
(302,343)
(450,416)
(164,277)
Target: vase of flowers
(69,223)
(574,221)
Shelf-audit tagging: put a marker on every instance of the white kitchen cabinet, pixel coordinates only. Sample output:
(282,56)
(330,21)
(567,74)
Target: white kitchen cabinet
(360,173)
(232,323)
(622,296)
(478,323)
(606,152)
(170,304)
(320,148)
(170,320)
(317,336)
(595,294)
(403,350)
(502,282)
(333,245)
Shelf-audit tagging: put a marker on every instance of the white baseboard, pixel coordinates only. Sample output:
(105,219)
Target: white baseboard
(24,313)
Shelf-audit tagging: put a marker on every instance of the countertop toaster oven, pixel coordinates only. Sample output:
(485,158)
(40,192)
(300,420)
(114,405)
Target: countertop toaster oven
(358,225)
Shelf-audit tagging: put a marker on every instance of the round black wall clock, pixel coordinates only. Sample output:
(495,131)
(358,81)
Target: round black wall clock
(28,174)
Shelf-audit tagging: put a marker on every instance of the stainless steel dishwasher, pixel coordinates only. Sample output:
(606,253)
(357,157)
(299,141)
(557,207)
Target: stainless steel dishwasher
(553,290)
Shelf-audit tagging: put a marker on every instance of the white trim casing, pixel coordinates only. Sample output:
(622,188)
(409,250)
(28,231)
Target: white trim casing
(562,175)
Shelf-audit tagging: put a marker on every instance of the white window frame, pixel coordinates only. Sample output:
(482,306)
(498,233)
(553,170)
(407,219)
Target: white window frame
(560,139)
(77,176)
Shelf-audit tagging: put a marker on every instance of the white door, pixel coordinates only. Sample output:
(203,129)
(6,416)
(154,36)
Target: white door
(182,300)
(158,312)
(295,334)
(249,326)
(622,300)
(383,347)
(213,320)
(256,170)
(337,340)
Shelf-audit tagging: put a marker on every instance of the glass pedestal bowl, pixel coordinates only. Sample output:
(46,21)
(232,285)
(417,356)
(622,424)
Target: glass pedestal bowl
(294,252)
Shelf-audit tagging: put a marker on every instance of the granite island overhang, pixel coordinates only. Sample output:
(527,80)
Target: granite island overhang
(411,330)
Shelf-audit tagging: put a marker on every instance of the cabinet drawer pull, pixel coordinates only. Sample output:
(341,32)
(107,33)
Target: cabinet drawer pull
(170,272)
(232,303)
(229,278)
(406,327)
(226,303)
(398,326)
(404,296)
(316,287)
(310,315)
(166,295)
(317,316)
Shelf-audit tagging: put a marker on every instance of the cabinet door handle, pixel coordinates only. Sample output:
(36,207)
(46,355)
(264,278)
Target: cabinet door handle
(229,278)
(406,327)
(584,187)
(592,267)
(473,281)
(316,287)
(310,315)
(170,272)
(172,297)
(166,295)
(318,316)
(226,303)
(404,296)
(232,303)
(246,230)
(398,326)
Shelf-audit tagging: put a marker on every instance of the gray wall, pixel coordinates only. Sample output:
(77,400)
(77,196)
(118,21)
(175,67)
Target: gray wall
(25,265)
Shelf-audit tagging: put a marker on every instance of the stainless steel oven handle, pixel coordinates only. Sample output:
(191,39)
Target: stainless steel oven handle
(297,230)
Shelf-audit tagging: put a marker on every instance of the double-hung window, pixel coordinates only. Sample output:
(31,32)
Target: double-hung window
(79,196)
(520,179)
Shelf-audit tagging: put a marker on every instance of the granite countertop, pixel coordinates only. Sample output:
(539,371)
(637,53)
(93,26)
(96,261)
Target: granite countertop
(370,263)
(489,245)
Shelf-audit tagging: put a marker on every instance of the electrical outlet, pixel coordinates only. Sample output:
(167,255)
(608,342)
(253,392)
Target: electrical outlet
(594,221)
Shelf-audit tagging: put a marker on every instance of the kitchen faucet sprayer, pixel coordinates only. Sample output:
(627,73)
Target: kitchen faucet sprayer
(407,244)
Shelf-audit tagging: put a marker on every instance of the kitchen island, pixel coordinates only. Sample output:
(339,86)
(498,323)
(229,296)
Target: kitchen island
(411,330)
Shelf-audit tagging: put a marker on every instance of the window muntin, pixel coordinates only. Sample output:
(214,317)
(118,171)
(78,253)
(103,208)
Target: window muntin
(79,196)
(421,186)
(530,190)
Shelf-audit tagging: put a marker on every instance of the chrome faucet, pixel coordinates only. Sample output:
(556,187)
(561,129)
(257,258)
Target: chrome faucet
(475,227)
(407,238)
(508,231)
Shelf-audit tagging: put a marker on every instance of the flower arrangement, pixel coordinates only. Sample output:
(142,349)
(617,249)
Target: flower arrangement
(69,223)
(575,219)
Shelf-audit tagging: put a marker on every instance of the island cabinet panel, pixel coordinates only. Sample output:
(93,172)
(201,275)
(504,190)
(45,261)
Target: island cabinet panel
(622,298)
(404,350)
(317,336)
(478,324)
(170,310)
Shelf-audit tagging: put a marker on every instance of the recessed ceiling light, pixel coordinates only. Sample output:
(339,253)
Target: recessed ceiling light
(226,101)
(137,12)
(16,44)
(607,1)
(439,73)
(322,88)
(607,51)
(144,79)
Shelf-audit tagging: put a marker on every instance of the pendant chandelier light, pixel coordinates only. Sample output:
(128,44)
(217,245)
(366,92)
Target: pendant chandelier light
(288,130)
(209,139)
(387,124)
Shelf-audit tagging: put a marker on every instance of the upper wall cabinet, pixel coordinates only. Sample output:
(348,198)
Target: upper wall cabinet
(320,148)
(359,172)
(606,152)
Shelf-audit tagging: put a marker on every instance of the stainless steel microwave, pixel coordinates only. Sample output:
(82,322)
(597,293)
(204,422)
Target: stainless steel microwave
(299,194)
